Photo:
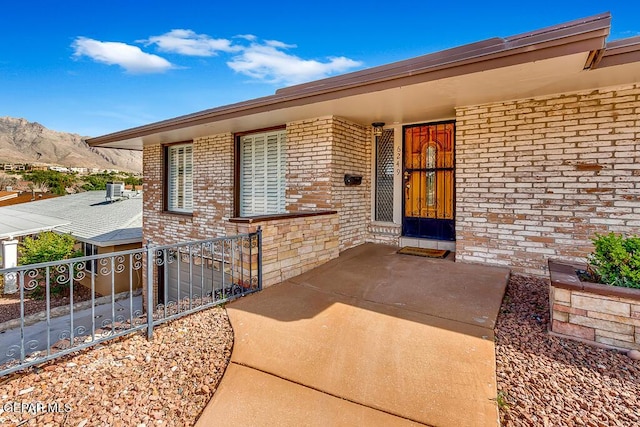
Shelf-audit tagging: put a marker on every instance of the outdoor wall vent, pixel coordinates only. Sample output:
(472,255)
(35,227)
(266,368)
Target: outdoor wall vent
(350,180)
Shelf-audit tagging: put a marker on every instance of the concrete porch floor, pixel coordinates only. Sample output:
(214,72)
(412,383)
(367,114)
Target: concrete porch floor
(370,338)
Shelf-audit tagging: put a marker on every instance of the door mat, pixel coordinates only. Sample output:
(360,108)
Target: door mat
(431,253)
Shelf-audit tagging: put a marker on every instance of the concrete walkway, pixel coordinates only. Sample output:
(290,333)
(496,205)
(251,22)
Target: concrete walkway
(372,338)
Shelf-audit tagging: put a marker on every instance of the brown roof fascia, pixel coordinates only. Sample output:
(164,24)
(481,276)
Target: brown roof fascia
(563,34)
(620,52)
(572,37)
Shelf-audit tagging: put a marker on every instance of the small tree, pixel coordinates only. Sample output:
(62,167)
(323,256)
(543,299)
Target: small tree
(46,247)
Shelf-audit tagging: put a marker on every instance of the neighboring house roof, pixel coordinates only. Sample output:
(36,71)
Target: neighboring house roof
(16,223)
(26,197)
(561,58)
(6,195)
(89,217)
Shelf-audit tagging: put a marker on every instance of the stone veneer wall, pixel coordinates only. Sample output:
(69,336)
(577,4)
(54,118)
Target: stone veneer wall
(291,246)
(592,312)
(536,178)
(605,320)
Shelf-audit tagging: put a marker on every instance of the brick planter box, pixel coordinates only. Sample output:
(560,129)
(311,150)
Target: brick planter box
(598,314)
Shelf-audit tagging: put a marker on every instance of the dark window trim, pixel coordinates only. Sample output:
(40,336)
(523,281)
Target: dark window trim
(236,162)
(165,177)
(89,249)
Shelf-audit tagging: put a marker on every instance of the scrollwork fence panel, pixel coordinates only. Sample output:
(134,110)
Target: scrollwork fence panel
(129,291)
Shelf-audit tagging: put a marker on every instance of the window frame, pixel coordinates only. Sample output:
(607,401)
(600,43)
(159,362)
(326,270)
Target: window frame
(237,156)
(89,249)
(166,153)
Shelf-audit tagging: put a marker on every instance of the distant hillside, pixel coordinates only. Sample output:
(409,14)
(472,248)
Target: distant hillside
(22,141)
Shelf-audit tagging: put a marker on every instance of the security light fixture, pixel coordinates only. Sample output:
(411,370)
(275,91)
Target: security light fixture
(377,128)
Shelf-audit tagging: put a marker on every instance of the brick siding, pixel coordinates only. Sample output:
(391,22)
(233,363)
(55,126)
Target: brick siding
(308,186)
(536,178)
(212,193)
(320,152)
(352,150)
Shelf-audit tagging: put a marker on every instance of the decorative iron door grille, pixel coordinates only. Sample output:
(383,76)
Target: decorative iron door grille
(384,176)
(428,206)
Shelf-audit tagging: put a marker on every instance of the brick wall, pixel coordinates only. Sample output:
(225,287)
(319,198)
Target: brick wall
(320,152)
(536,178)
(351,154)
(385,234)
(308,185)
(212,193)
(212,190)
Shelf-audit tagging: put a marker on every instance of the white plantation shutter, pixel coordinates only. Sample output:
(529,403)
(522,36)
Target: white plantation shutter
(180,197)
(262,173)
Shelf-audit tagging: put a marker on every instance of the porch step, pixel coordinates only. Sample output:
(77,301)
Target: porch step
(446,245)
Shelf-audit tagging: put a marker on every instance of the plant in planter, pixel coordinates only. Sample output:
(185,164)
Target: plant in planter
(616,260)
(599,303)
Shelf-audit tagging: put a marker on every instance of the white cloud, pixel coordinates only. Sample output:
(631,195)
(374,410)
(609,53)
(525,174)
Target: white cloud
(268,62)
(131,58)
(249,37)
(187,42)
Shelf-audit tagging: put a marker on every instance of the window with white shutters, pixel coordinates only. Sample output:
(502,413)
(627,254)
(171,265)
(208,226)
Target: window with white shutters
(180,178)
(262,173)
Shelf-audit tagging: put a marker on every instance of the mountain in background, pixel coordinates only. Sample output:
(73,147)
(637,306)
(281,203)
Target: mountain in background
(22,141)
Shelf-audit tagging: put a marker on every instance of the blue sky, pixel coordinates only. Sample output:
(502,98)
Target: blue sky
(93,68)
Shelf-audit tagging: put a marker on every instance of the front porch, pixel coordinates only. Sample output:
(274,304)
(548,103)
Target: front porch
(369,338)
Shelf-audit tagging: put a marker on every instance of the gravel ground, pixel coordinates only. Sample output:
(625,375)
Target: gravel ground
(548,381)
(128,382)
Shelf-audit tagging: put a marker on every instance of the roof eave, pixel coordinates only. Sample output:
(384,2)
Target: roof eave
(582,35)
(107,243)
(620,52)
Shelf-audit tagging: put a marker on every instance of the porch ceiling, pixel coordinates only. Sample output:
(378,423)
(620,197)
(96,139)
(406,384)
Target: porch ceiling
(431,100)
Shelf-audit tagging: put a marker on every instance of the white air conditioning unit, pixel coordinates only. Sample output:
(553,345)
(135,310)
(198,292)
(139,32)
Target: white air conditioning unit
(115,190)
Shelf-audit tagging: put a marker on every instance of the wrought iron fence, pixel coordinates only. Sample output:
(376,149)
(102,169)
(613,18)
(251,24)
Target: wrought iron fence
(122,292)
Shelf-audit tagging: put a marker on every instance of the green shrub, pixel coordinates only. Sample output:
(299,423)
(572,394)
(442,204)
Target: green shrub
(616,260)
(46,247)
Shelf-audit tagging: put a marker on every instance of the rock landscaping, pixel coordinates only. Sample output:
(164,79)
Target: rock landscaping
(128,382)
(550,381)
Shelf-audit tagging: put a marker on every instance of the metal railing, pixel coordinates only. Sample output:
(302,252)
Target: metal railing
(123,292)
